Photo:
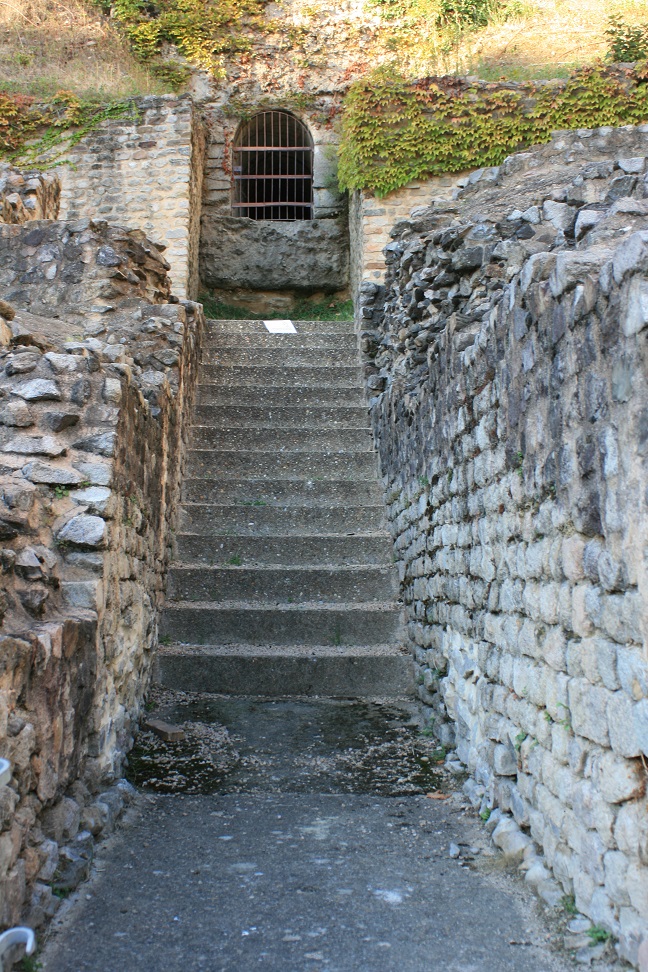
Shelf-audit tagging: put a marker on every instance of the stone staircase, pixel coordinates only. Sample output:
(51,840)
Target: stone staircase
(282,582)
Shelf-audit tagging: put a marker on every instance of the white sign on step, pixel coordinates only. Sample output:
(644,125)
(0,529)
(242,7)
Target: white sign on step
(281,327)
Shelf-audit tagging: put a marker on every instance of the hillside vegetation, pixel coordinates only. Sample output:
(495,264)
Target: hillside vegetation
(115,48)
(48,46)
(518,39)
(66,64)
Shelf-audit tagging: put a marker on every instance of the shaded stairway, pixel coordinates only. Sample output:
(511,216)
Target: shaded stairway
(282,582)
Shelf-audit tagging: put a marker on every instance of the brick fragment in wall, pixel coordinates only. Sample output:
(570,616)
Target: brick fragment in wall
(91,436)
(507,355)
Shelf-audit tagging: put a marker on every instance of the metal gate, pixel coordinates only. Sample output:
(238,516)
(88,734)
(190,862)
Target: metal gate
(273,168)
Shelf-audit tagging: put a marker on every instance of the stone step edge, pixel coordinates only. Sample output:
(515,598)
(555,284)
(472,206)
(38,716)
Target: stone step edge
(235,429)
(284,452)
(250,388)
(294,508)
(297,480)
(292,568)
(283,651)
(276,607)
(205,567)
(291,537)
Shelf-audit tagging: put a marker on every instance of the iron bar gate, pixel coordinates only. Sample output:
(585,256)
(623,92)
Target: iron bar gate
(273,168)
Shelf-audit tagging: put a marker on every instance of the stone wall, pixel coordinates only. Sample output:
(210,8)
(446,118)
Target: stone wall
(144,171)
(507,358)
(93,419)
(372,219)
(305,256)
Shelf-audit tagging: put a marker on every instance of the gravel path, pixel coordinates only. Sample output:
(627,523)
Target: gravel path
(300,872)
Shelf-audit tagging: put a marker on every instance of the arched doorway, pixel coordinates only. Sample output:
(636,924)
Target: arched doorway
(273,168)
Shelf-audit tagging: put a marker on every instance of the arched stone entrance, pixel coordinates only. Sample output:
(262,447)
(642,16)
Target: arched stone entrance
(273,168)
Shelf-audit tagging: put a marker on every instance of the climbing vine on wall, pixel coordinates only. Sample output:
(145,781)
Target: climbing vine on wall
(203,31)
(33,134)
(395,130)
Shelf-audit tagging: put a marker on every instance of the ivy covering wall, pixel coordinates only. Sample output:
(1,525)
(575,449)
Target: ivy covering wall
(34,133)
(395,130)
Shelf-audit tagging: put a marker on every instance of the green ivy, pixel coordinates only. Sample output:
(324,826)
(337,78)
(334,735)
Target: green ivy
(203,31)
(396,130)
(35,134)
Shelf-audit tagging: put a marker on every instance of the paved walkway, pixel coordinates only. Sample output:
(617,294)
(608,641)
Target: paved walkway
(315,850)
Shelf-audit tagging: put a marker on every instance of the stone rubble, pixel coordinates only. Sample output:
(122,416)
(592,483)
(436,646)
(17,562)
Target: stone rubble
(506,359)
(98,363)
(28,196)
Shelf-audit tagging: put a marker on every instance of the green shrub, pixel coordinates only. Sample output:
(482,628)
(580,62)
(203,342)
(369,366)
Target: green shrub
(202,30)
(464,14)
(626,42)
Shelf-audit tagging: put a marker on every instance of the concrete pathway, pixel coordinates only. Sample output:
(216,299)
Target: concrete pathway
(316,849)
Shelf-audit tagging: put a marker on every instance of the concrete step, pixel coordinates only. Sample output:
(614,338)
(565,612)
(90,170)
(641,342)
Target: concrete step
(290,377)
(297,417)
(329,672)
(245,339)
(249,521)
(238,464)
(323,550)
(288,492)
(258,327)
(267,585)
(283,440)
(230,623)
(264,396)
(288,356)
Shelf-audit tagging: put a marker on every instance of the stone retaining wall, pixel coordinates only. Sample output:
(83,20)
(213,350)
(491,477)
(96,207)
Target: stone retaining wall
(508,362)
(93,420)
(372,219)
(144,171)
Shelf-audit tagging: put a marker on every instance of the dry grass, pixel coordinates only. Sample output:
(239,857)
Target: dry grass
(52,45)
(526,39)
(548,38)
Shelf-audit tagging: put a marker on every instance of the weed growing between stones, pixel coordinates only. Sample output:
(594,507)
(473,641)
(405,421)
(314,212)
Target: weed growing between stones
(30,964)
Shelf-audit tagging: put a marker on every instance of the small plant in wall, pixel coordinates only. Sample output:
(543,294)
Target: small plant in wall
(598,935)
(565,722)
(569,904)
